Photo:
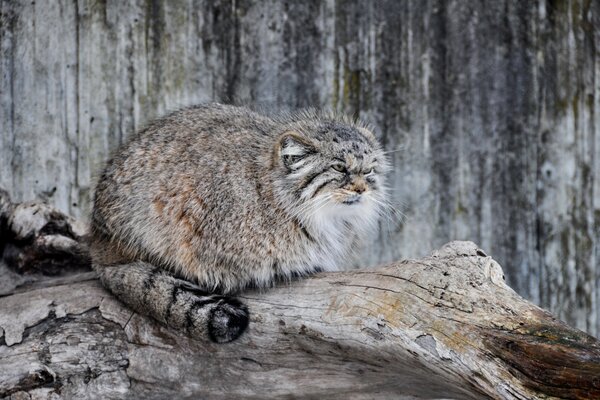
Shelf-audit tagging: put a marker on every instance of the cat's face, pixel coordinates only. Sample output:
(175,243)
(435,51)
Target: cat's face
(334,170)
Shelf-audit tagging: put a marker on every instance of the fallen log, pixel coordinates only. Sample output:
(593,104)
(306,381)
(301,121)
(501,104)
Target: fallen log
(444,326)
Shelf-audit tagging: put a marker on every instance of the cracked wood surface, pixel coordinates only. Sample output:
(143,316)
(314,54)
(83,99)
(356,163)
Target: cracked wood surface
(445,326)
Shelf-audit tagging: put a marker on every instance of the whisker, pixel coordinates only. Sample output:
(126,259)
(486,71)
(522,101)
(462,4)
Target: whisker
(401,148)
(305,211)
(389,208)
(320,207)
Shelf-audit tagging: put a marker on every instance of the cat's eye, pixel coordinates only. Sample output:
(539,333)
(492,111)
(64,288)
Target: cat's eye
(339,167)
(369,172)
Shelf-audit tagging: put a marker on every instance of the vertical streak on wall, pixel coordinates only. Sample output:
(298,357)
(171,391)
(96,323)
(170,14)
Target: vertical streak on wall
(568,228)
(8,149)
(594,110)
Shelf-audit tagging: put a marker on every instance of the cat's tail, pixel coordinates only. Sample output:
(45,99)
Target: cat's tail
(174,302)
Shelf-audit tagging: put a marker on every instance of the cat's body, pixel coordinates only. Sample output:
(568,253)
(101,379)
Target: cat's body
(226,198)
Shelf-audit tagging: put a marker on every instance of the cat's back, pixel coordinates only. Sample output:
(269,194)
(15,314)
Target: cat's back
(184,169)
(209,140)
(215,130)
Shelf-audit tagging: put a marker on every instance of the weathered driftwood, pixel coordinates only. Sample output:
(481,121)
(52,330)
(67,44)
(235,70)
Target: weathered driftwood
(445,326)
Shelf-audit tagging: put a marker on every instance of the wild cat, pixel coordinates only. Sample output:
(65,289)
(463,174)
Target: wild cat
(214,198)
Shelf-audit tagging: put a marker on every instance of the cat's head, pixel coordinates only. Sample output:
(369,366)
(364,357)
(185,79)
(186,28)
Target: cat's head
(331,169)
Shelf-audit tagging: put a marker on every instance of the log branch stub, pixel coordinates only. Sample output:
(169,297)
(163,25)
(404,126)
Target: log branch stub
(38,241)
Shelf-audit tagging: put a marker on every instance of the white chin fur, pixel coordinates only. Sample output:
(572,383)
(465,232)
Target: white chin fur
(333,212)
(337,226)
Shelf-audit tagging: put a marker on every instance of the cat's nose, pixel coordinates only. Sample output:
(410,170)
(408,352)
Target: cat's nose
(359,186)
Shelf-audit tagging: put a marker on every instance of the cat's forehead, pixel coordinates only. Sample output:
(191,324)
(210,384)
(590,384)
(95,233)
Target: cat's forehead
(340,132)
(345,139)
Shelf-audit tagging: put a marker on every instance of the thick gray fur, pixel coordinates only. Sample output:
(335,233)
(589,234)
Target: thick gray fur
(216,198)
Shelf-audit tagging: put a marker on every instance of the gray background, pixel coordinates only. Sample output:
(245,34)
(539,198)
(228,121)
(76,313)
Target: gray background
(495,106)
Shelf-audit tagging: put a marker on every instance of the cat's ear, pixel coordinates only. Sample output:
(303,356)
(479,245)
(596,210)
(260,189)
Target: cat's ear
(293,148)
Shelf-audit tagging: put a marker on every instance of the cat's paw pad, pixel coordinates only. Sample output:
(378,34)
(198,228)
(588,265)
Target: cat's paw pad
(228,320)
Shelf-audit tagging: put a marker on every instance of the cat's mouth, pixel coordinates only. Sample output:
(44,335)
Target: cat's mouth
(353,199)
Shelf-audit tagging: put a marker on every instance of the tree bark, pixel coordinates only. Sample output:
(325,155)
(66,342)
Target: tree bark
(444,326)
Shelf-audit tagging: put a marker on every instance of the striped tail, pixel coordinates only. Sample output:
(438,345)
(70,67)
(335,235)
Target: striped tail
(177,303)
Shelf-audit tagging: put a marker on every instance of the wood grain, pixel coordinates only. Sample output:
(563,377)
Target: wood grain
(444,326)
